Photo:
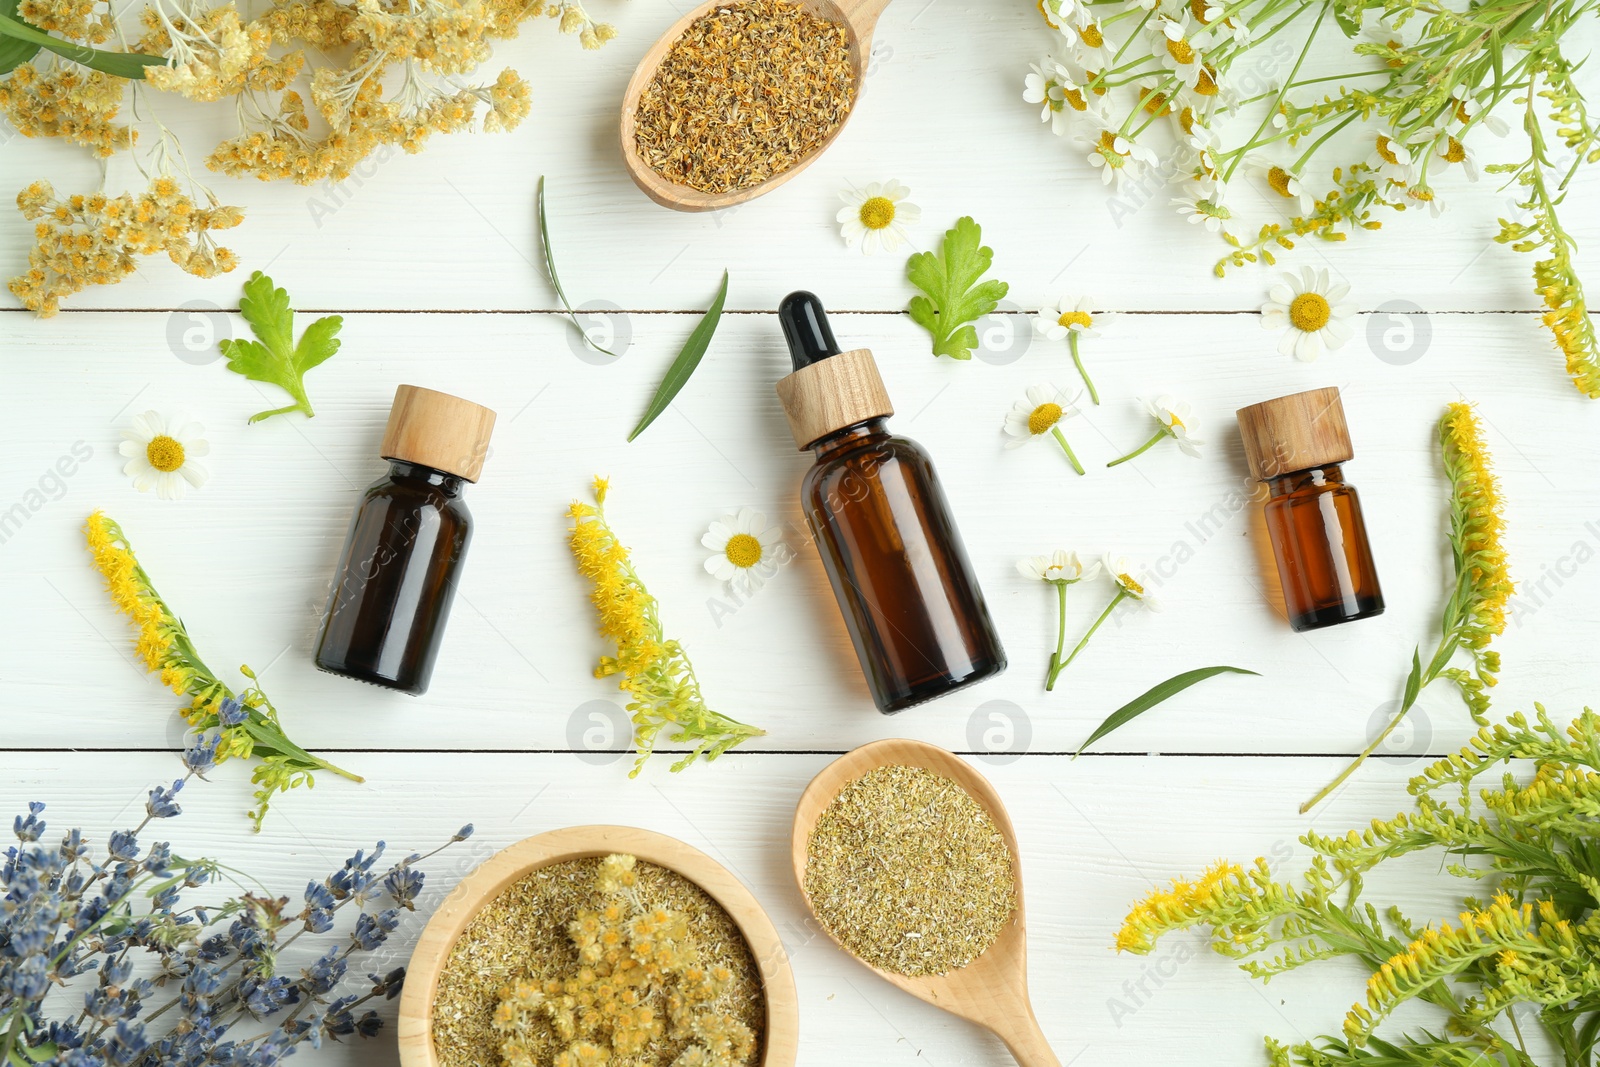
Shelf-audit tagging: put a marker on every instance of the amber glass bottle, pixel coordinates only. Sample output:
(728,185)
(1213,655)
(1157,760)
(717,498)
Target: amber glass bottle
(1296,445)
(882,525)
(397,575)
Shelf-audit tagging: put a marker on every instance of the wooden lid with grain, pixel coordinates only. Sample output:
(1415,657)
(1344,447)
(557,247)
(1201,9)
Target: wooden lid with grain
(833,393)
(438,430)
(1295,433)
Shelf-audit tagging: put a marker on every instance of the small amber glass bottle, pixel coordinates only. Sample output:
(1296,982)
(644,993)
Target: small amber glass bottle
(883,528)
(402,557)
(1296,444)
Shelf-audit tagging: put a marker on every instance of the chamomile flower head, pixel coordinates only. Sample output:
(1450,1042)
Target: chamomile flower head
(1058,566)
(1283,182)
(1424,197)
(1117,158)
(163,454)
(1182,46)
(1313,311)
(1089,43)
(1049,85)
(1069,315)
(1207,211)
(1039,414)
(745,550)
(1391,159)
(876,217)
(1450,149)
(1177,422)
(1122,571)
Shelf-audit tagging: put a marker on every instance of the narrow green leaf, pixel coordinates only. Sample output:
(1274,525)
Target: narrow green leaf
(555,279)
(688,359)
(122,64)
(1143,703)
(1413,681)
(14,53)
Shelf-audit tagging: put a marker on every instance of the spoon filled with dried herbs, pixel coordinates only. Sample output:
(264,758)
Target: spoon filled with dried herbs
(741,95)
(906,856)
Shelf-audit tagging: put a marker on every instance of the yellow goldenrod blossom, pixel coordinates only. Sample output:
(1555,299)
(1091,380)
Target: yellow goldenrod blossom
(653,669)
(246,722)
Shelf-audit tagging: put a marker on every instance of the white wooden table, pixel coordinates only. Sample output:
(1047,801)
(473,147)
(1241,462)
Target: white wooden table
(433,261)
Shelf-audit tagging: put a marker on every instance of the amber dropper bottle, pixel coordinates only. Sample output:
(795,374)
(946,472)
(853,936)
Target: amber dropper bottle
(1297,444)
(402,557)
(882,525)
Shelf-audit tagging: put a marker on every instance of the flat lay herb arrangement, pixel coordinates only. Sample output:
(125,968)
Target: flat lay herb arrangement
(1272,126)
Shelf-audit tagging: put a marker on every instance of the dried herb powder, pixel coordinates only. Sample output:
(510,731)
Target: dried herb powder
(749,90)
(909,872)
(522,935)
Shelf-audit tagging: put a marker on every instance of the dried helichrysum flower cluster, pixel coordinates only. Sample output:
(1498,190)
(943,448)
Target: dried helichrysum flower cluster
(640,981)
(213,53)
(79,20)
(83,240)
(66,101)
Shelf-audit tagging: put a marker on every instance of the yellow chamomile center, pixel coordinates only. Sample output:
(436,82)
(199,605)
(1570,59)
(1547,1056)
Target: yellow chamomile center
(1310,312)
(1454,152)
(1108,148)
(164,453)
(1127,582)
(1206,83)
(1197,8)
(1180,50)
(1044,416)
(1278,178)
(1075,98)
(1186,119)
(877,212)
(743,550)
(1069,319)
(1386,151)
(1091,35)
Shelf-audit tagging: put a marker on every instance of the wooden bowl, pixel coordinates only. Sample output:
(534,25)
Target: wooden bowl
(780,1043)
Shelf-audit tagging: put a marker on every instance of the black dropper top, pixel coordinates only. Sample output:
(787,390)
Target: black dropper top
(805,327)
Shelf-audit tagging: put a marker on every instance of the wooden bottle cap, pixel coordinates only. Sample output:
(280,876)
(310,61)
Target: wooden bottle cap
(1295,433)
(438,430)
(833,393)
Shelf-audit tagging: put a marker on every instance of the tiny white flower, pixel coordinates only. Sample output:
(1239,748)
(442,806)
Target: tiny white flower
(1067,316)
(1177,421)
(1283,181)
(1469,109)
(1312,310)
(1090,46)
(1117,157)
(162,454)
(1391,159)
(1058,566)
(1451,150)
(876,217)
(1122,571)
(1045,407)
(1204,211)
(1181,49)
(746,551)
(1048,85)
(1425,197)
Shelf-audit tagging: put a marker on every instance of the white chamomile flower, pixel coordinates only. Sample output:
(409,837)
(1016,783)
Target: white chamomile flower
(1117,157)
(1122,572)
(746,551)
(1047,85)
(1069,315)
(1058,566)
(1469,110)
(1313,308)
(1426,197)
(1173,419)
(1203,211)
(1045,408)
(1391,159)
(1448,148)
(1090,46)
(1181,50)
(876,217)
(162,454)
(1283,181)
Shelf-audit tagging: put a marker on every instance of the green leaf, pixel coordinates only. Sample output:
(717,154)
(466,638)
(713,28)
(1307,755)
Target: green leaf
(14,52)
(555,279)
(1143,703)
(955,295)
(688,359)
(1413,682)
(122,64)
(273,357)
(1348,16)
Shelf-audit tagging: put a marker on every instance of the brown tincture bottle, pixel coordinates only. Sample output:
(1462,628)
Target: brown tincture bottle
(1295,444)
(881,523)
(397,576)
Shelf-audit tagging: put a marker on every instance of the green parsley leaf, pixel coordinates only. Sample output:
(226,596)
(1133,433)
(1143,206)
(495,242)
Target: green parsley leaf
(956,297)
(274,357)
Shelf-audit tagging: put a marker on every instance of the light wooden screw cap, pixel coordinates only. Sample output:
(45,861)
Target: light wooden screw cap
(833,393)
(1295,433)
(438,430)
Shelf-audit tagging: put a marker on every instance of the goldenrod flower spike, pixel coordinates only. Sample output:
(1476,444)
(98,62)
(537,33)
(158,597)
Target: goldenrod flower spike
(654,669)
(1475,612)
(247,722)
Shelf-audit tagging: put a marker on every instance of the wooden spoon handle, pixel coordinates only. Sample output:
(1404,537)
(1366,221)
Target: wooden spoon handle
(1026,1041)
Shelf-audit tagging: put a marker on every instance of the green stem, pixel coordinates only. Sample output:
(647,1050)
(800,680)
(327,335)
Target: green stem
(1061,439)
(1142,449)
(1072,343)
(1061,636)
(1273,110)
(1061,665)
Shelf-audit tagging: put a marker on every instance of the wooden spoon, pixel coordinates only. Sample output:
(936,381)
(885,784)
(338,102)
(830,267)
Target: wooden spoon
(992,990)
(859,18)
